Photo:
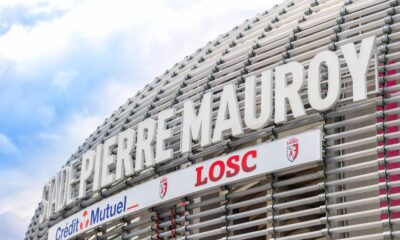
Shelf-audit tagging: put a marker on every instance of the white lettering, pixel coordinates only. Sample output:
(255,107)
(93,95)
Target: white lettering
(358,65)
(107,177)
(314,81)
(163,134)
(228,117)
(126,143)
(250,108)
(145,140)
(284,91)
(86,171)
(192,124)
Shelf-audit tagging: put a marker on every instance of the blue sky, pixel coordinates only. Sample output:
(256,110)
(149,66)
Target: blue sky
(67,65)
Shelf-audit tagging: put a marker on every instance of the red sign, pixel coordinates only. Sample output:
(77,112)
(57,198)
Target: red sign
(229,167)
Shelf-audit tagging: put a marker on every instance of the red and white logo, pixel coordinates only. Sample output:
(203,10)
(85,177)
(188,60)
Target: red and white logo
(163,187)
(85,220)
(292,149)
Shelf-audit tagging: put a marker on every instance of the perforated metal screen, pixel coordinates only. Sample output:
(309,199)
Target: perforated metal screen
(353,194)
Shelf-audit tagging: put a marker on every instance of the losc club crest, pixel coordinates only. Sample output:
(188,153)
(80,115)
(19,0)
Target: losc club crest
(163,187)
(292,149)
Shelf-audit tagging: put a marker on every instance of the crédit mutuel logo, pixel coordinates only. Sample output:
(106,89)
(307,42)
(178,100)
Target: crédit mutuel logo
(84,220)
(92,217)
(292,149)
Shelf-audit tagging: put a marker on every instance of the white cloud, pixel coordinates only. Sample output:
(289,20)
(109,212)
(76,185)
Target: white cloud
(63,141)
(112,94)
(149,23)
(10,3)
(21,189)
(62,79)
(6,145)
(19,193)
(12,226)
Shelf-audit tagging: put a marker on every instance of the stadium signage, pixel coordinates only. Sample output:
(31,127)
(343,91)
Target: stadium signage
(228,168)
(101,167)
(236,166)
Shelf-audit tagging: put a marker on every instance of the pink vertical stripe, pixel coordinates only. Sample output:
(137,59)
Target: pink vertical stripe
(392,153)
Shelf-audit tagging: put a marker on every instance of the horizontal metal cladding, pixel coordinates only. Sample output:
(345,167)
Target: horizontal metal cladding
(353,194)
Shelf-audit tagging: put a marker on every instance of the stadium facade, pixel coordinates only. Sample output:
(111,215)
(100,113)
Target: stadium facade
(286,127)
